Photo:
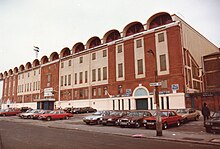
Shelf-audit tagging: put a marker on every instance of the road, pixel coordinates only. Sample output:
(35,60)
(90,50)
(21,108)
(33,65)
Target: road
(16,135)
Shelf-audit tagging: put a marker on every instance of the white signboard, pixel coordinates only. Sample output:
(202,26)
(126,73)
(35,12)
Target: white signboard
(155,84)
(48,92)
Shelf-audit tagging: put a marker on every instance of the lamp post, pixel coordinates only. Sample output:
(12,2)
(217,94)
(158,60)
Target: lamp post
(156,95)
(36,49)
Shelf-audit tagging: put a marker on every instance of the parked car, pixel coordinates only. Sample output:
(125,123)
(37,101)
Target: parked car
(36,115)
(24,109)
(188,114)
(10,112)
(213,124)
(168,118)
(133,119)
(28,114)
(95,118)
(58,114)
(83,110)
(113,117)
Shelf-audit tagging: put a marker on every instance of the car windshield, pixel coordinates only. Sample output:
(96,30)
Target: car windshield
(52,112)
(136,114)
(162,114)
(116,113)
(97,113)
(216,115)
(181,111)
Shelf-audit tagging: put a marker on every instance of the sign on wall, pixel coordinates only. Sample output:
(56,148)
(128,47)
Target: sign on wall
(48,92)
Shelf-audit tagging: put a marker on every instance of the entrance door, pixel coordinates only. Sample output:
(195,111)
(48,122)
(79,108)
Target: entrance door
(141,104)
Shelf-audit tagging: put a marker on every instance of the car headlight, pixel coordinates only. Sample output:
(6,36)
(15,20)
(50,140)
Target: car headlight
(109,119)
(131,121)
(144,121)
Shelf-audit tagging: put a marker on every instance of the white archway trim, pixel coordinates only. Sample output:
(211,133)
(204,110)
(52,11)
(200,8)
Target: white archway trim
(139,88)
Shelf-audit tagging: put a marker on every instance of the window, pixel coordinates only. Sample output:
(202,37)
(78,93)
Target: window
(33,86)
(104,73)
(62,65)
(34,72)
(161,37)
(61,81)
(163,66)
(104,53)
(138,43)
(69,79)
(120,70)
(75,78)
(30,86)
(99,74)
(105,91)
(93,56)
(93,75)
(119,48)
(65,80)
(75,94)
(86,92)
(48,78)
(70,62)
(28,75)
(80,93)
(80,77)
(99,91)
(81,60)
(86,76)
(140,66)
(94,91)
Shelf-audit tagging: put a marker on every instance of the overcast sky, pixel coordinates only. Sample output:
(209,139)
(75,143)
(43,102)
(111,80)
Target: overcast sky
(54,24)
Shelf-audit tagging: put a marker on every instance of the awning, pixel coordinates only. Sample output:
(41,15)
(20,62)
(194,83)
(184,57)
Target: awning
(45,99)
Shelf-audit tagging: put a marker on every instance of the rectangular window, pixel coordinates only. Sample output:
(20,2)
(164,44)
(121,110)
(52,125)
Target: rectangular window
(120,70)
(161,37)
(119,48)
(81,60)
(30,86)
(94,91)
(99,74)
(140,66)
(65,80)
(34,72)
(99,91)
(80,77)
(104,73)
(120,89)
(70,62)
(93,75)
(69,79)
(86,76)
(48,78)
(86,92)
(104,53)
(61,81)
(93,56)
(62,65)
(75,78)
(75,94)
(34,86)
(139,43)
(81,93)
(163,66)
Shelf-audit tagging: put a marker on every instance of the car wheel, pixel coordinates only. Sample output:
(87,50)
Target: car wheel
(66,117)
(3,115)
(197,118)
(208,130)
(178,123)
(29,117)
(48,118)
(137,124)
(87,123)
(165,126)
(98,122)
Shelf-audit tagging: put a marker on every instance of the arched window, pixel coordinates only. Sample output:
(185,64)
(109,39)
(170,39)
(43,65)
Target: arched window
(21,68)
(65,52)
(28,65)
(54,56)
(159,20)
(16,70)
(78,47)
(111,36)
(133,28)
(93,42)
(36,63)
(44,60)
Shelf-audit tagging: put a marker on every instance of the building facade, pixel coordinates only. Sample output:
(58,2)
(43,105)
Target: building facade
(118,71)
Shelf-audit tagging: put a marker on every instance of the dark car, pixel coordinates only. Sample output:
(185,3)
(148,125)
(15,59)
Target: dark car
(83,110)
(168,118)
(133,119)
(213,124)
(112,119)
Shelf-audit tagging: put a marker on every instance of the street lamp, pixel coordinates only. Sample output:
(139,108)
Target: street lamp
(156,95)
(36,49)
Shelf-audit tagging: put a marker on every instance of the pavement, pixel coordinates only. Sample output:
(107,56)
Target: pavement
(172,134)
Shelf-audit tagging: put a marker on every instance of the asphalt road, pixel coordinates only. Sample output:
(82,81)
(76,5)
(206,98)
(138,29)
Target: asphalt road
(15,135)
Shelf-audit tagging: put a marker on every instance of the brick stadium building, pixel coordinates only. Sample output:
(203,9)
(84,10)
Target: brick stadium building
(115,72)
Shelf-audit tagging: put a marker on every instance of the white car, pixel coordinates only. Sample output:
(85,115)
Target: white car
(95,118)
(29,114)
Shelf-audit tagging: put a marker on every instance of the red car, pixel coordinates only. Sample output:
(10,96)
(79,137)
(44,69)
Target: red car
(9,112)
(59,114)
(168,118)
(36,115)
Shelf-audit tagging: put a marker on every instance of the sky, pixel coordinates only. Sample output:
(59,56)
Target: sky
(52,25)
